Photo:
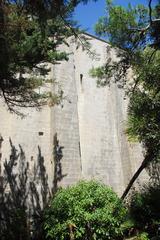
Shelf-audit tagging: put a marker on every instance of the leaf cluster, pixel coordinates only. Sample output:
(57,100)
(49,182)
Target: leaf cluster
(135,31)
(118,24)
(145,210)
(88,210)
(30,34)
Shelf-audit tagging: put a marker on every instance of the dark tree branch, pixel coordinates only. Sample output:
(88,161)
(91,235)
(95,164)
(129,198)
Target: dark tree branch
(152,55)
(148,158)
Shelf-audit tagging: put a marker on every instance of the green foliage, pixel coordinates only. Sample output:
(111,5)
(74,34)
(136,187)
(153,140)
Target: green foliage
(119,21)
(143,236)
(26,47)
(144,106)
(136,33)
(145,210)
(143,118)
(30,34)
(122,27)
(88,210)
(100,73)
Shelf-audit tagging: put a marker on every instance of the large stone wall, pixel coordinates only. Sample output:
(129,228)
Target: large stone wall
(94,120)
(90,125)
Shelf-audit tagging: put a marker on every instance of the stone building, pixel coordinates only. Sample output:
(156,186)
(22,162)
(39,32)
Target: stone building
(86,133)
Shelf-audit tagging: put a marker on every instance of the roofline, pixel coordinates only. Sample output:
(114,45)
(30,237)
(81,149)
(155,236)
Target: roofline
(93,36)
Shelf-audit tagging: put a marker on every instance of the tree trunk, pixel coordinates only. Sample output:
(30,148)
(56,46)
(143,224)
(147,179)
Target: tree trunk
(1,179)
(146,161)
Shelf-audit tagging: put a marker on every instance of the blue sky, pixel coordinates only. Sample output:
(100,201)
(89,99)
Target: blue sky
(87,15)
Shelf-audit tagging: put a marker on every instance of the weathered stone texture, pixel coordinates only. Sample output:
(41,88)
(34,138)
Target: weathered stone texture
(90,124)
(26,133)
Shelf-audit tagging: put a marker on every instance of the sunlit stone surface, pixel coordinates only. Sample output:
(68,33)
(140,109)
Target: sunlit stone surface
(90,125)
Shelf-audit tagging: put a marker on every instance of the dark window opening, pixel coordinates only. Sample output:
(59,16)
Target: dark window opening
(40,133)
(81,77)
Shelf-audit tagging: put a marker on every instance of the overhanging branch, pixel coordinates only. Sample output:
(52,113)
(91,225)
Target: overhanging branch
(151,21)
(150,11)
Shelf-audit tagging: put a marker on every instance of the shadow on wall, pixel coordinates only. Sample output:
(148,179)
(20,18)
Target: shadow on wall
(25,193)
(58,155)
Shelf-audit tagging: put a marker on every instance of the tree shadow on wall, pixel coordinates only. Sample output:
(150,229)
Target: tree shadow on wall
(25,193)
(58,155)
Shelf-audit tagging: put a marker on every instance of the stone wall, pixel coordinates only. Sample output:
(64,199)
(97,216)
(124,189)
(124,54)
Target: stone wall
(89,125)
(93,120)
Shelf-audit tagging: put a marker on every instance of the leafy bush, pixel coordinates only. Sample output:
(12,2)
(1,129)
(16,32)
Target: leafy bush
(145,210)
(143,236)
(88,210)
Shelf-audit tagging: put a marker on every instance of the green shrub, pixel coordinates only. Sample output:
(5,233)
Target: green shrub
(88,210)
(143,236)
(145,210)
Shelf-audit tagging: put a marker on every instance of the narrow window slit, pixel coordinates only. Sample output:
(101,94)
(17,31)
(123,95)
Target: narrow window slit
(81,78)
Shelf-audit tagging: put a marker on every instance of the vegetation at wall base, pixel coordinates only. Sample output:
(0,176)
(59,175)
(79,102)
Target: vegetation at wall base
(88,210)
(145,210)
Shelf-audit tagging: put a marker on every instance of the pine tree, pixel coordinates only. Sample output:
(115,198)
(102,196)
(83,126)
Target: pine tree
(136,33)
(30,33)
